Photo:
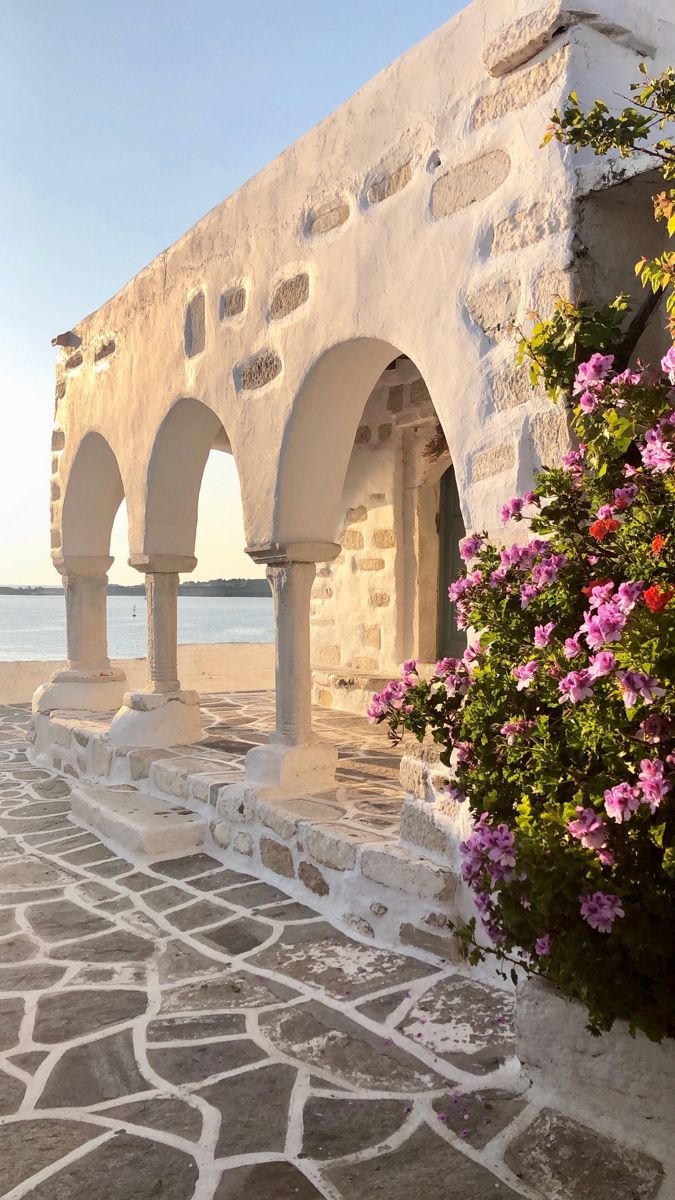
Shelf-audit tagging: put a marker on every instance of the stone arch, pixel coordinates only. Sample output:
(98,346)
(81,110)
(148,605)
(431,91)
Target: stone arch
(319,437)
(93,494)
(184,440)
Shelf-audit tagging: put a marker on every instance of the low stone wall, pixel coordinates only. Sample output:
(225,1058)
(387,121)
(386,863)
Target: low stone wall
(620,1086)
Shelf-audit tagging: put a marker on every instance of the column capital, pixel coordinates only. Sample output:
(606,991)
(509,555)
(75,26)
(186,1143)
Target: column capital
(85,565)
(278,554)
(163,564)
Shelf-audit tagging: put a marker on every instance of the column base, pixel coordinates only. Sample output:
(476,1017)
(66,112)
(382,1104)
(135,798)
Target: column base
(278,769)
(82,691)
(155,720)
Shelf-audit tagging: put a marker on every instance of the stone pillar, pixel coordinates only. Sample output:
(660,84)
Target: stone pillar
(88,682)
(291,585)
(293,760)
(163,715)
(161,591)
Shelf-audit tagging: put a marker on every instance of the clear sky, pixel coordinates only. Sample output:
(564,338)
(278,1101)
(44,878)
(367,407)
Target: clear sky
(122,123)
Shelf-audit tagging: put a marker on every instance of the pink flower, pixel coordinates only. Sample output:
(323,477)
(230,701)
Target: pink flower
(652,782)
(593,371)
(589,829)
(512,509)
(625,495)
(576,686)
(513,729)
(572,646)
(621,802)
(657,452)
(654,728)
(668,364)
(588,403)
(606,625)
(628,594)
(600,593)
(542,946)
(635,686)
(600,910)
(542,634)
(469,546)
(528,592)
(445,666)
(602,664)
(525,674)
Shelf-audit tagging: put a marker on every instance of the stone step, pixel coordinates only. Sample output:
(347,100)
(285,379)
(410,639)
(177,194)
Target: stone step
(136,821)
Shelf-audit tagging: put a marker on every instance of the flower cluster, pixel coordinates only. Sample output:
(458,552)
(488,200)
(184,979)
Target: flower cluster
(558,725)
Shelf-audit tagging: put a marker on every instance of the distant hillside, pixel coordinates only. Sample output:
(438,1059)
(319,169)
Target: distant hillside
(211,587)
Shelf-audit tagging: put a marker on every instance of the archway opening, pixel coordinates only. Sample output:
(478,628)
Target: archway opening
(389,497)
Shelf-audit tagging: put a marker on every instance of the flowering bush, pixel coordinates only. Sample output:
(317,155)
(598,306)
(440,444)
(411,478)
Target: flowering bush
(559,720)
(558,723)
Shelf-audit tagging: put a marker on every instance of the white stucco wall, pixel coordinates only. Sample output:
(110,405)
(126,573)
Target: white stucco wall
(442,206)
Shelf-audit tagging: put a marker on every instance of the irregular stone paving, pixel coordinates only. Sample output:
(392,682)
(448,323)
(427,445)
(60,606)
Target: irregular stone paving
(177,1030)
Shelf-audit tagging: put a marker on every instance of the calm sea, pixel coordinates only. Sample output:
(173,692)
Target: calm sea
(35,627)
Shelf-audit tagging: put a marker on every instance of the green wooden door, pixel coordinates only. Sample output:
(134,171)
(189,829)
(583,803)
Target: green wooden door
(451,640)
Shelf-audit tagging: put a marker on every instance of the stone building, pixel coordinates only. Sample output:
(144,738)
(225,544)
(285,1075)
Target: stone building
(342,325)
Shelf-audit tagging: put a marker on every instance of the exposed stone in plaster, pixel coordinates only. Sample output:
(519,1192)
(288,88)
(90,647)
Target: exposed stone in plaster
(259,370)
(312,878)
(384,539)
(289,295)
(527,226)
(550,287)
(59,391)
(389,183)
(419,392)
(106,348)
(352,539)
(372,636)
(444,947)
(550,433)
(510,386)
(380,599)
(75,361)
(232,303)
(363,435)
(321,591)
(468,183)
(54,490)
(243,843)
(328,216)
(330,849)
(195,325)
(384,432)
(518,42)
(494,307)
(58,439)
(277,857)
(360,513)
(521,90)
(359,924)
(370,564)
(493,461)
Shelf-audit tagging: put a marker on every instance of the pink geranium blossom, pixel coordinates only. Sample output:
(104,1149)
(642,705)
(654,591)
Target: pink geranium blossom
(469,546)
(621,802)
(573,646)
(542,946)
(576,686)
(602,664)
(525,674)
(636,686)
(542,634)
(652,782)
(589,829)
(668,364)
(593,371)
(600,910)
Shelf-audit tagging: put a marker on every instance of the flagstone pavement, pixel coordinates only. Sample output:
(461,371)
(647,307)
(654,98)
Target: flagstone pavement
(177,1030)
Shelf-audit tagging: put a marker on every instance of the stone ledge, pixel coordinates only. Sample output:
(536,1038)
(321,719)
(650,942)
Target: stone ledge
(618,1085)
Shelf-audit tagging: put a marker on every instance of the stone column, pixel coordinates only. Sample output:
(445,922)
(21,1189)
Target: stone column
(291,585)
(293,760)
(161,591)
(88,683)
(163,714)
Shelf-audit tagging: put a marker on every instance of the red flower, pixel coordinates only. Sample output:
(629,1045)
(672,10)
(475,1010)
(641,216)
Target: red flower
(657,598)
(593,584)
(600,529)
(658,544)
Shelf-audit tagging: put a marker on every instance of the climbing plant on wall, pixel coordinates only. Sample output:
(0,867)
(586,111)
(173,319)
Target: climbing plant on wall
(559,721)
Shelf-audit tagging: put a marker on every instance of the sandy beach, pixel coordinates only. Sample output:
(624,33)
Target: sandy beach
(230,667)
